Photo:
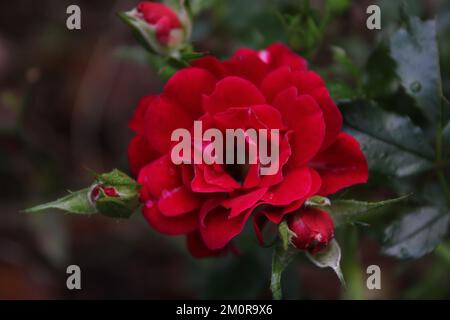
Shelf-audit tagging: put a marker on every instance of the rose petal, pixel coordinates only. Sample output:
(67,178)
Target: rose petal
(199,183)
(283,78)
(315,187)
(170,225)
(280,55)
(160,122)
(304,116)
(197,247)
(220,179)
(158,176)
(275,82)
(247,65)
(140,154)
(240,203)
(269,116)
(219,229)
(211,64)
(137,122)
(341,165)
(232,92)
(331,114)
(296,185)
(154,11)
(178,201)
(284,155)
(186,88)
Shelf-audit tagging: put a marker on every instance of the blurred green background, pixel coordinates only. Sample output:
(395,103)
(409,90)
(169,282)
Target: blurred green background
(65,100)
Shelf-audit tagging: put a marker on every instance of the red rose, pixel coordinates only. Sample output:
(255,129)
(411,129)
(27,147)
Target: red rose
(211,203)
(313,229)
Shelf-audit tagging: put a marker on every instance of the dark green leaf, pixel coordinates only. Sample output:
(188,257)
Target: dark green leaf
(380,77)
(76,202)
(417,233)
(415,51)
(346,211)
(392,144)
(446,140)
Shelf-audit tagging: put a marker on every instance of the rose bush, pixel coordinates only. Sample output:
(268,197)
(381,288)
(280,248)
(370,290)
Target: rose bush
(210,204)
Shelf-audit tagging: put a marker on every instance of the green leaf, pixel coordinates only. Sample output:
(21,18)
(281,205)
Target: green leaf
(392,144)
(341,57)
(76,202)
(280,260)
(416,233)
(337,6)
(329,257)
(347,211)
(415,51)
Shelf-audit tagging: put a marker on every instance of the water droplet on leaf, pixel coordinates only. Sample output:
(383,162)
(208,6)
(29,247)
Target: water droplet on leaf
(415,86)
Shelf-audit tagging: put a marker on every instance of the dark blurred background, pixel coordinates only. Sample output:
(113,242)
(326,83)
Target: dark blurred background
(65,100)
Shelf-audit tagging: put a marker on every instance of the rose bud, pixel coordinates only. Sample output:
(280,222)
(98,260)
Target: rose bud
(114,194)
(312,229)
(98,190)
(163,30)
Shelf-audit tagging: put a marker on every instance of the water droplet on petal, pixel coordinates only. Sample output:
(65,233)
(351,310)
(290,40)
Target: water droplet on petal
(165,193)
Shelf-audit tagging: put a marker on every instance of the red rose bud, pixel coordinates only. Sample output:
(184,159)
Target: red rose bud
(313,229)
(98,189)
(164,20)
(114,194)
(162,29)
